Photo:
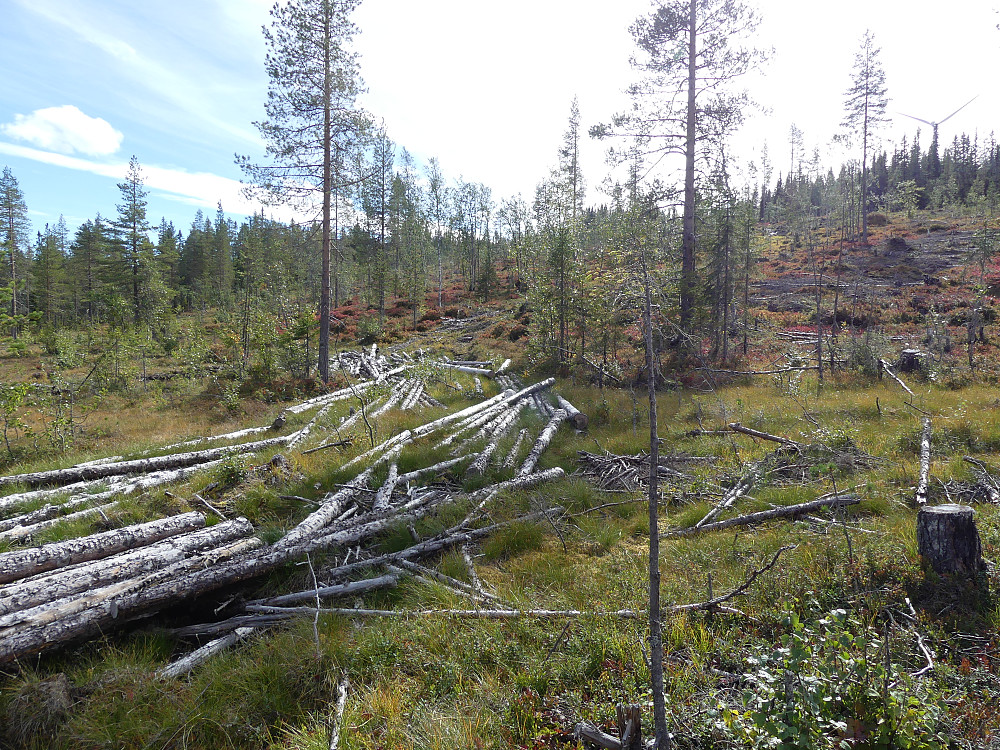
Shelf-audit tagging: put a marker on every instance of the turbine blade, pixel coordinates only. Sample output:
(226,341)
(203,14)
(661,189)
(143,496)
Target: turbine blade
(960,109)
(918,119)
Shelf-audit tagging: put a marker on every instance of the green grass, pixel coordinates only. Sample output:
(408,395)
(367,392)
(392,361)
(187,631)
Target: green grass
(441,682)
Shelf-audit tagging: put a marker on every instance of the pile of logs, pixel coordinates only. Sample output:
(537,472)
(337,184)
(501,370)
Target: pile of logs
(68,591)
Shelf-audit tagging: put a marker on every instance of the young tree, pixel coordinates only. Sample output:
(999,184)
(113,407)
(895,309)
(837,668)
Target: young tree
(315,80)
(689,55)
(88,258)
(136,267)
(15,239)
(864,110)
(437,199)
(48,274)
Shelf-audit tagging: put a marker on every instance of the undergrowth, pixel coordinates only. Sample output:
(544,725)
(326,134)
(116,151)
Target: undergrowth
(824,650)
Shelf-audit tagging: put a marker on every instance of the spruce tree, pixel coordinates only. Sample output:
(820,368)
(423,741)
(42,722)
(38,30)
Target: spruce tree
(137,275)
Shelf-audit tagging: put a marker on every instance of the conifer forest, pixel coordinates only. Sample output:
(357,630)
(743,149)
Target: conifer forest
(697,452)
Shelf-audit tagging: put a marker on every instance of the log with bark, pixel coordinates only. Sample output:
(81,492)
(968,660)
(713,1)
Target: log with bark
(23,563)
(752,519)
(66,581)
(948,540)
(576,417)
(542,442)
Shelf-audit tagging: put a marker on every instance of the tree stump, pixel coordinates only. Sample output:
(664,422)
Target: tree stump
(912,360)
(947,539)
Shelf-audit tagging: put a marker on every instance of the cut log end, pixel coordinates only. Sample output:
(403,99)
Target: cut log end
(947,539)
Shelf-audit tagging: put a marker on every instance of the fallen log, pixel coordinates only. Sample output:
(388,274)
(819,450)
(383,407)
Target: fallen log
(544,438)
(450,538)
(482,461)
(738,490)
(465,368)
(752,519)
(25,532)
(888,369)
(304,432)
(447,580)
(65,582)
(331,592)
(138,466)
(396,441)
(476,420)
(430,427)
(62,622)
(515,449)
(384,494)
(331,507)
(199,656)
(26,562)
(737,427)
(9,501)
(925,463)
(468,614)
(578,419)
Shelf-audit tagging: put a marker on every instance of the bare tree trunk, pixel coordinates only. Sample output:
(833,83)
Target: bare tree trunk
(655,625)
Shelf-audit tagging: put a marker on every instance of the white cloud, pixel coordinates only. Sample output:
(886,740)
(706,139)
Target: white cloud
(65,130)
(201,189)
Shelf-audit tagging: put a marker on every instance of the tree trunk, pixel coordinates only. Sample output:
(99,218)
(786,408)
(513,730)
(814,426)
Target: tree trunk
(26,562)
(662,741)
(947,539)
(140,466)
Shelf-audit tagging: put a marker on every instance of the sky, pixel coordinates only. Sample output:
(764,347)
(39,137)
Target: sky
(485,87)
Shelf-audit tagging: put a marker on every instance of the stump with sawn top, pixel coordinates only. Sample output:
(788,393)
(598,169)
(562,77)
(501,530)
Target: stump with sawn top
(947,539)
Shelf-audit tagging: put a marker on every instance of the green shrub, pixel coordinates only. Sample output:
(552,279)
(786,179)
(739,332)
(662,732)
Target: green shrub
(834,685)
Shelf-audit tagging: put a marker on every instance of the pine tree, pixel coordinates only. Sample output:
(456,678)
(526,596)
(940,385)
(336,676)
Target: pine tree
(310,105)
(689,56)
(222,257)
(48,274)
(87,263)
(865,110)
(15,239)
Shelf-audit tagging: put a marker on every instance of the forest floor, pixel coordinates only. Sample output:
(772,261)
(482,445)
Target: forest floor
(846,641)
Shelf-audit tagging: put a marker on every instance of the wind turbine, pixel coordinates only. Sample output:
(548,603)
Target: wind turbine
(939,122)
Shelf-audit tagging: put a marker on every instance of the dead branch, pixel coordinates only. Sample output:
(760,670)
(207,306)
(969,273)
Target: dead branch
(752,519)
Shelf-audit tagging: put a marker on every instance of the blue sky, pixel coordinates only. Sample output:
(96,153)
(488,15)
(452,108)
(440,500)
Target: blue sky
(484,86)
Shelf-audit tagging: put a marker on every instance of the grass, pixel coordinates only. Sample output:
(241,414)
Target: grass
(448,682)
